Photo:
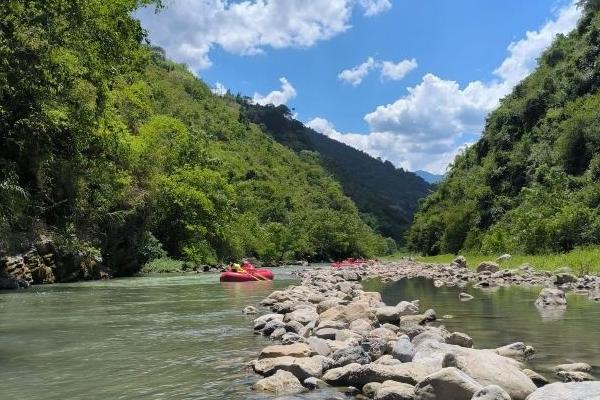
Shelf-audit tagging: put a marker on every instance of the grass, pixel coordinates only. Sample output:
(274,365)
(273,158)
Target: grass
(582,260)
(163,266)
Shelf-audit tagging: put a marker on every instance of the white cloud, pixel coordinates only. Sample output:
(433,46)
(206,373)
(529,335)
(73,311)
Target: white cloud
(397,71)
(189,29)
(219,89)
(374,7)
(355,76)
(277,97)
(426,128)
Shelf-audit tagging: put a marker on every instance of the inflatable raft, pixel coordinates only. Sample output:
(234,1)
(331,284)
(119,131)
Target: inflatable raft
(247,275)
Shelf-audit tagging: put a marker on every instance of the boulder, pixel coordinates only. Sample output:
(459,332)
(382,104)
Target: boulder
(564,277)
(568,391)
(248,310)
(359,375)
(391,390)
(465,297)
(349,313)
(319,346)
(491,392)
(488,266)
(314,383)
(346,334)
(371,388)
(278,333)
(361,326)
(407,308)
(303,315)
(518,350)
(549,297)
(291,338)
(302,368)
(536,378)
(260,322)
(460,339)
(282,383)
(350,355)
(383,333)
(403,349)
(272,326)
(374,346)
(574,376)
(573,367)
(387,314)
(447,384)
(387,360)
(327,304)
(459,262)
(326,333)
(292,350)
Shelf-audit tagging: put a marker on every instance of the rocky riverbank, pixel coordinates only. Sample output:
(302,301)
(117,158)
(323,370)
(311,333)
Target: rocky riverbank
(332,333)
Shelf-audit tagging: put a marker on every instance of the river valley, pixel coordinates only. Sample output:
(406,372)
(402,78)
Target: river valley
(184,337)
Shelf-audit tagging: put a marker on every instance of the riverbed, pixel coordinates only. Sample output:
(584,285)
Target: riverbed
(184,337)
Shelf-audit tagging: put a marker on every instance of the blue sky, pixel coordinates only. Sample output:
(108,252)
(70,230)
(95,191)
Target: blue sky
(431,70)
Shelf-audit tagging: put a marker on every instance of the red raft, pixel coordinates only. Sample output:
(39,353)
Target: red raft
(348,263)
(248,273)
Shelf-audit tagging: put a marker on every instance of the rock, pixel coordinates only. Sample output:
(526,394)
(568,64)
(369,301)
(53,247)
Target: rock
(292,350)
(429,315)
(371,388)
(319,346)
(382,333)
(491,392)
(568,391)
(465,296)
(573,367)
(43,275)
(303,315)
(517,350)
(387,314)
(346,334)
(361,326)
(407,308)
(349,313)
(278,333)
(327,304)
(485,366)
(302,368)
(391,390)
(564,277)
(294,326)
(248,310)
(459,262)
(447,384)
(574,376)
(536,378)
(314,383)
(350,355)
(551,298)
(387,360)
(460,339)
(403,349)
(291,337)
(282,383)
(359,375)
(260,322)
(272,326)
(332,324)
(326,333)
(488,266)
(351,276)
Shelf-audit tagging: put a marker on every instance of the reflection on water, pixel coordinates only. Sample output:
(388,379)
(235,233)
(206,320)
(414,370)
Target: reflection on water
(507,315)
(184,337)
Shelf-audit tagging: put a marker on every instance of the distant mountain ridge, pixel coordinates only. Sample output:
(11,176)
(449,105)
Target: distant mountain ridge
(429,177)
(386,196)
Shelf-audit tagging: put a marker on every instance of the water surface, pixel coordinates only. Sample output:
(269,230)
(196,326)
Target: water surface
(184,337)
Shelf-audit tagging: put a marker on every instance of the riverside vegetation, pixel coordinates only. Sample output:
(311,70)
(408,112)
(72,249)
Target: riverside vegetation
(117,156)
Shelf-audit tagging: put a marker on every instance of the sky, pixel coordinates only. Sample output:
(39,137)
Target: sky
(410,81)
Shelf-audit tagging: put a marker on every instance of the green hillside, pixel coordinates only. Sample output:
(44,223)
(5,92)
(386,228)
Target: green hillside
(531,184)
(386,196)
(109,148)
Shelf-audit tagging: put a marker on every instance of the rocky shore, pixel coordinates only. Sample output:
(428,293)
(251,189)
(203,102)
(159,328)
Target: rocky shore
(333,334)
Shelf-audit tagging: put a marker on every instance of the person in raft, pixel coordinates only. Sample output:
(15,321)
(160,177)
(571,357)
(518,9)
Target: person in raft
(236,268)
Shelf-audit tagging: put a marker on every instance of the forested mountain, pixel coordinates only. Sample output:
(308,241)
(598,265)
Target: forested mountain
(531,184)
(109,148)
(429,177)
(386,196)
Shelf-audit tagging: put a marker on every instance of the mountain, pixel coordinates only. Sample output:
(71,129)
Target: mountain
(531,184)
(112,151)
(429,177)
(386,196)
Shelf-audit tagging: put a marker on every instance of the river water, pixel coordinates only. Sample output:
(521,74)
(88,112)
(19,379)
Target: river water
(184,337)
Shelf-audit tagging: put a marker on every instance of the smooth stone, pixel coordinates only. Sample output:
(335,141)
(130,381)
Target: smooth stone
(488,266)
(550,297)
(292,350)
(248,310)
(260,322)
(303,315)
(282,383)
(326,333)
(313,383)
(518,350)
(403,349)
(465,297)
(387,314)
(447,384)
(491,392)
(360,375)
(536,378)
(573,367)
(349,313)
(574,376)
(407,308)
(350,355)
(568,391)
(460,339)
(370,389)
(302,368)
(391,390)
(319,346)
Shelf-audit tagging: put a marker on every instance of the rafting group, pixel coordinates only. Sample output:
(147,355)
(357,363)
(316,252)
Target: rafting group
(247,272)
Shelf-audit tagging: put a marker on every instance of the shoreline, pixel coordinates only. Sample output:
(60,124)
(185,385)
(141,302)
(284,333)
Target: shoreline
(333,334)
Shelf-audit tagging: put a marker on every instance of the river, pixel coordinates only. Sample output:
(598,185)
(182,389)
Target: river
(184,337)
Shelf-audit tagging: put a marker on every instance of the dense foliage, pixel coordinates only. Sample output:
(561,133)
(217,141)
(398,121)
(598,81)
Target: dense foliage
(386,196)
(105,142)
(531,184)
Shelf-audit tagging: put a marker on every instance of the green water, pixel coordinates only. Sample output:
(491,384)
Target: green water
(184,337)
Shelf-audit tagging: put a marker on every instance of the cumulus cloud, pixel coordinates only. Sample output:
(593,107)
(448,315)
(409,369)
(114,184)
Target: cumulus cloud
(397,71)
(219,89)
(277,97)
(355,76)
(189,29)
(428,126)
(374,7)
